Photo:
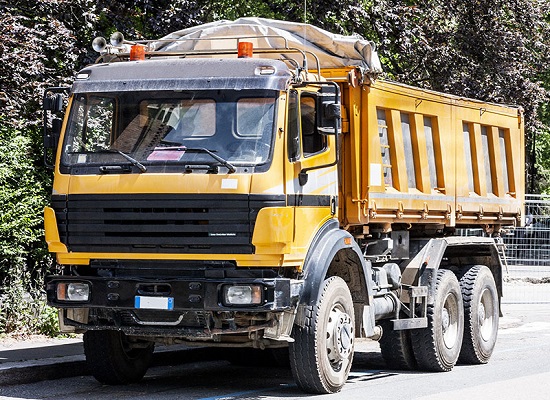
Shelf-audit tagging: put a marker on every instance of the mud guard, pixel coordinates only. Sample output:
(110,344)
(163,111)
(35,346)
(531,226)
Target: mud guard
(327,242)
(426,263)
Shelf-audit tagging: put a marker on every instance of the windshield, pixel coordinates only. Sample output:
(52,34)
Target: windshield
(192,130)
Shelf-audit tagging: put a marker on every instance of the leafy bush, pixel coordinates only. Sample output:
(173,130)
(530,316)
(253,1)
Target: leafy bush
(23,255)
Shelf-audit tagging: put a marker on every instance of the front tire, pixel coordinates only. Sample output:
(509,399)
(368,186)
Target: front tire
(114,358)
(437,347)
(481,315)
(322,353)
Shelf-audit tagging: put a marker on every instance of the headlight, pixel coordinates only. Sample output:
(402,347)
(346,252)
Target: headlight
(242,295)
(74,291)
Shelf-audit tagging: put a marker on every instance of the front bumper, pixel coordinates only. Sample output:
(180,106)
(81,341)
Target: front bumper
(278,294)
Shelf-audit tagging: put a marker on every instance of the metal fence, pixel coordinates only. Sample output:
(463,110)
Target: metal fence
(530,245)
(527,251)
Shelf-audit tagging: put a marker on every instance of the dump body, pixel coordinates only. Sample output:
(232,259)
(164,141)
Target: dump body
(426,158)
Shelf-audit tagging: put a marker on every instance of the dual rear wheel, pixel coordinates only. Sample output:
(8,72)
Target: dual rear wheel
(462,325)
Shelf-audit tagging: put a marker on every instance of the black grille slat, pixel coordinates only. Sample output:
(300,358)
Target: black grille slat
(162,227)
(167,223)
(175,215)
(154,203)
(150,241)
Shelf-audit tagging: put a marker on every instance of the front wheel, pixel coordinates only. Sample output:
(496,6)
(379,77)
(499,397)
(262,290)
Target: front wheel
(481,314)
(322,353)
(437,347)
(116,359)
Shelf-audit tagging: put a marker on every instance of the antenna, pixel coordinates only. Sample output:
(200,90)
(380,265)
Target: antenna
(305,22)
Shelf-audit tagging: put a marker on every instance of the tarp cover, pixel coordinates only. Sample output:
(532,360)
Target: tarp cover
(333,50)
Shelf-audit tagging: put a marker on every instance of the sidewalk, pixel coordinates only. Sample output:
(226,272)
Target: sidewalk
(40,359)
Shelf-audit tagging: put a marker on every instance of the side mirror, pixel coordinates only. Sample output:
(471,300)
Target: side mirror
(52,103)
(52,138)
(329,112)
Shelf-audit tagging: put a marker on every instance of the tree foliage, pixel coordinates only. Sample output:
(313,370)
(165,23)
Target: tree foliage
(496,51)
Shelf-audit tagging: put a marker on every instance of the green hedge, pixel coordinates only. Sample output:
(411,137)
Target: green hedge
(24,259)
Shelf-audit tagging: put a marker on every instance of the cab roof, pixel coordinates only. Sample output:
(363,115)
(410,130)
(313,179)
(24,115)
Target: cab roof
(184,74)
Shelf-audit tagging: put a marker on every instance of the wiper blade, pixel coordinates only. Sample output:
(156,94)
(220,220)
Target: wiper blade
(216,157)
(132,160)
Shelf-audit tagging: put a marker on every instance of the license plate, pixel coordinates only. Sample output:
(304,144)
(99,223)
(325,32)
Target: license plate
(154,303)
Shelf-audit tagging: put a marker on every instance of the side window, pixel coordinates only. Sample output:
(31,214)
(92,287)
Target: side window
(293,134)
(93,124)
(312,141)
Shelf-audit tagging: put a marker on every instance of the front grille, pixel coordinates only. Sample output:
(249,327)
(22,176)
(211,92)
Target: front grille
(169,223)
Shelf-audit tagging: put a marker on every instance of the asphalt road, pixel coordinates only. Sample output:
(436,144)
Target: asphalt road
(519,369)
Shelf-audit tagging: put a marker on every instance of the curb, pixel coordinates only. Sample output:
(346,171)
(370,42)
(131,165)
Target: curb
(40,370)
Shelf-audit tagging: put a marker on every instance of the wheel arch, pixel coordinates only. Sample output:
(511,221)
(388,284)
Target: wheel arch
(334,252)
(454,253)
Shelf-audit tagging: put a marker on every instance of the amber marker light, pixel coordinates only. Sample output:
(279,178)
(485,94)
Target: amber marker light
(137,52)
(245,50)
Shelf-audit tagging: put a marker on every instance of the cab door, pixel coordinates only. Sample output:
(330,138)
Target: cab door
(312,173)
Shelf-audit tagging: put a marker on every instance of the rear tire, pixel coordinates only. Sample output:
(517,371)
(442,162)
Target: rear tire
(114,359)
(396,347)
(481,315)
(437,347)
(322,353)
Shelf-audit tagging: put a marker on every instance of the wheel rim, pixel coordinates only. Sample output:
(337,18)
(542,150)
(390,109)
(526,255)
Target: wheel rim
(485,315)
(449,321)
(339,334)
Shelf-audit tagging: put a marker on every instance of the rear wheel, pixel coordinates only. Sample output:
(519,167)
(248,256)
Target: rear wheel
(437,347)
(481,315)
(396,347)
(322,353)
(116,359)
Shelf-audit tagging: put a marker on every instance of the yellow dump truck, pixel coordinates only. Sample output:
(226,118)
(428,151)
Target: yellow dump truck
(253,184)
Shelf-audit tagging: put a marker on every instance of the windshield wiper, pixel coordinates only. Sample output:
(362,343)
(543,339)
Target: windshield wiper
(216,157)
(132,160)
